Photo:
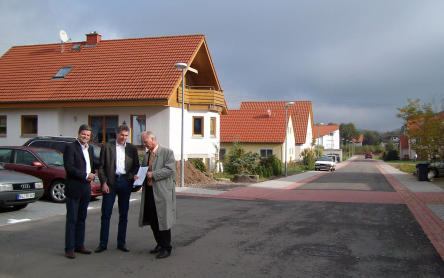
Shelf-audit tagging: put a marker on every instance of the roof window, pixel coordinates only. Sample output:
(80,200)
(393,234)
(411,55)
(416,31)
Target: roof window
(62,72)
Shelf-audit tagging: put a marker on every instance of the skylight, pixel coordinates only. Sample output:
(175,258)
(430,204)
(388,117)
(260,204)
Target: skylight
(63,72)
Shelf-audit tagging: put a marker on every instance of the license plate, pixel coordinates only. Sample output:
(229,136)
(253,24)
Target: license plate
(25,196)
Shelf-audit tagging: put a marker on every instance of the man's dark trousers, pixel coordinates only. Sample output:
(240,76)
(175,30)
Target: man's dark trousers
(76,211)
(121,188)
(163,238)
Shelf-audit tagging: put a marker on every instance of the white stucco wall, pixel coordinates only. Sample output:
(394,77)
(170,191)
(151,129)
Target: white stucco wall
(309,136)
(48,123)
(291,148)
(165,122)
(329,141)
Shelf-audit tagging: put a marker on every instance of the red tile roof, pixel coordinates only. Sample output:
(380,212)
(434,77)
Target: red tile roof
(252,126)
(300,112)
(319,131)
(125,69)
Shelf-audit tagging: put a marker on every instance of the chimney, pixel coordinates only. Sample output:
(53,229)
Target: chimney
(93,38)
(269,113)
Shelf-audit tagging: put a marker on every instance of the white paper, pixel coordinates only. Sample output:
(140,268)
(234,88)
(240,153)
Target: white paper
(141,174)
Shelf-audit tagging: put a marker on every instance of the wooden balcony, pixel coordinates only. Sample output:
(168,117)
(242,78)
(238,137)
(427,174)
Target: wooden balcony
(203,98)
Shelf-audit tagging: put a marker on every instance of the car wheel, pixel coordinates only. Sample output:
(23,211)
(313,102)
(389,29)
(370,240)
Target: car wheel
(57,191)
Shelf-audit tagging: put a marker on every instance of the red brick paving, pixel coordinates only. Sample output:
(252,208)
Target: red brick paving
(433,226)
(347,196)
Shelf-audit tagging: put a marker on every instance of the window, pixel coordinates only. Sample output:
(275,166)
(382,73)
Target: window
(62,72)
(222,153)
(266,152)
(213,126)
(198,126)
(5,155)
(103,128)
(2,125)
(24,157)
(29,125)
(138,125)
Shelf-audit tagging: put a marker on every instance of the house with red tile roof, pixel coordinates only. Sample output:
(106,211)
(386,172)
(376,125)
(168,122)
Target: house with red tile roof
(327,136)
(301,116)
(259,131)
(358,141)
(51,89)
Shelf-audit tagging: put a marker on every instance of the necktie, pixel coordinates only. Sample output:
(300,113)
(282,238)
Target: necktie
(150,165)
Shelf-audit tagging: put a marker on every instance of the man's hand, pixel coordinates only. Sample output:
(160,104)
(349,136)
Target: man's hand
(149,175)
(91,177)
(105,188)
(136,177)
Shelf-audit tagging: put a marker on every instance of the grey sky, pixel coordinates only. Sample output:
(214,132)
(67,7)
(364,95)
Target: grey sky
(357,61)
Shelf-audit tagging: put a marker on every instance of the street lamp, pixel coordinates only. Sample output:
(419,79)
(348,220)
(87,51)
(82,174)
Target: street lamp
(286,111)
(182,67)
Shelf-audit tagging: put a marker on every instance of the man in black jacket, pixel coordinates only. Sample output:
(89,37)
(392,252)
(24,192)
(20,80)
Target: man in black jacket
(80,172)
(119,163)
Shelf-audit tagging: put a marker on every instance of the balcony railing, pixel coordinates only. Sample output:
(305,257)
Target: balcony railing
(202,96)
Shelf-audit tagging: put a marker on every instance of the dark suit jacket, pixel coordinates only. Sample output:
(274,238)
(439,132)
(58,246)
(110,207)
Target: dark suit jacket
(75,166)
(107,169)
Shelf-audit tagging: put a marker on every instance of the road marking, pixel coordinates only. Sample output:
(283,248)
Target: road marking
(13,221)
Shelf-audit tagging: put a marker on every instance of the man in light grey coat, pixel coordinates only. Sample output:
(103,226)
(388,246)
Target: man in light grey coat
(158,204)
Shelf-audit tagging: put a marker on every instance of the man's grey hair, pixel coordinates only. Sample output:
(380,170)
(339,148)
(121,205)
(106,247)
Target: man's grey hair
(148,134)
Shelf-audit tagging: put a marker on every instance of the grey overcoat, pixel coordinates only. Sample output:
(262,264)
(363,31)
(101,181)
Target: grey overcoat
(164,188)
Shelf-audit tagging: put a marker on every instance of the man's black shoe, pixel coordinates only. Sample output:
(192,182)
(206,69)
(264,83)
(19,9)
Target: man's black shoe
(156,249)
(123,248)
(164,253)
(100,249)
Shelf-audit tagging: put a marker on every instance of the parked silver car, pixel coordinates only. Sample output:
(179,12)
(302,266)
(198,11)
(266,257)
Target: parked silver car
(17,190)
(325,163)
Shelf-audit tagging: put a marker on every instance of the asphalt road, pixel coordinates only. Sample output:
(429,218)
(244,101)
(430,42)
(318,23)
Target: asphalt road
(217,237)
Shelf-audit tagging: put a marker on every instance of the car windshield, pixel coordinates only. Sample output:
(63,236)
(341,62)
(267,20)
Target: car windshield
(325,158)
(52,158)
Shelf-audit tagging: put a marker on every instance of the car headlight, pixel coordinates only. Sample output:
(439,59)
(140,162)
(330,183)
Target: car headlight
(6,187)
(38,185)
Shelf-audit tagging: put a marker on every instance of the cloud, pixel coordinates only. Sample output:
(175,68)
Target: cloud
(356,56)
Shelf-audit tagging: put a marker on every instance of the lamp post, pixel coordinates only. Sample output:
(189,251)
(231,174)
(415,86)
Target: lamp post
(286,124)
(182,67)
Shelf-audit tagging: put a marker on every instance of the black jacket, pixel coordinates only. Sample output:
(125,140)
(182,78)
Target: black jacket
(107,169)
(75,166)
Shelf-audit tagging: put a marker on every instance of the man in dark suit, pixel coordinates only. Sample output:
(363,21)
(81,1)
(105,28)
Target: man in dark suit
(80,172)
(119,163)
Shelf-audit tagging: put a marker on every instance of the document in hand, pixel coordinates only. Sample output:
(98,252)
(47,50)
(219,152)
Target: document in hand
(141,174)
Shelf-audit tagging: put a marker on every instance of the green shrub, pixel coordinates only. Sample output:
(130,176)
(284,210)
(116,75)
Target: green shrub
(198,164)
(391,155)
(308,158)
(241,162)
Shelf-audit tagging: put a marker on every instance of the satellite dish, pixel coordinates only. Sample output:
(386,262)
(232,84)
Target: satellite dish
(63,36)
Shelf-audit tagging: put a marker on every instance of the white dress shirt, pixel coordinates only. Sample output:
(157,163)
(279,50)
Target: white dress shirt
(86,156)
(120,159)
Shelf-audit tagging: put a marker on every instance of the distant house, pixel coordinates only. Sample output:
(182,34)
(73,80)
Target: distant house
(327,136)
(358,141)
(301,116)
(259,131)
(51,89)
(405,149)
